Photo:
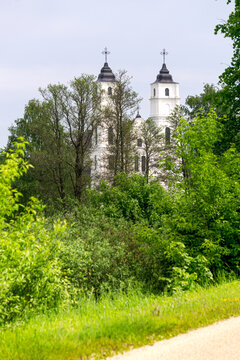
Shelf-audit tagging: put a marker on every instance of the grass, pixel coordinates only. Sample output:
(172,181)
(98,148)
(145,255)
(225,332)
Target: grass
(117,323)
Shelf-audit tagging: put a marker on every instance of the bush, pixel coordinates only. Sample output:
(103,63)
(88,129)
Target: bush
(30,273)
(95,253)
(131,198)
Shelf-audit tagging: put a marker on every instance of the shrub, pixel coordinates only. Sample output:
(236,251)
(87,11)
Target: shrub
(95,253)
(30,274)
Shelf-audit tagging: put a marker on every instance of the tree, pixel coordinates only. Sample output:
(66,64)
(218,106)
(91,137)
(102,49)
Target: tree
(207,202)
(152,144)
(30,272)
(119,119)
(42,127)
(168,160)
(209,99)
(230,79)
(59,130)
(80,105)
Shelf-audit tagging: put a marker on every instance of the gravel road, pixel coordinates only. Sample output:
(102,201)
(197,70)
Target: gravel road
(220,341)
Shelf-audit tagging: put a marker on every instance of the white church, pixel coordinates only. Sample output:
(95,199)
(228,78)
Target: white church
(164,97)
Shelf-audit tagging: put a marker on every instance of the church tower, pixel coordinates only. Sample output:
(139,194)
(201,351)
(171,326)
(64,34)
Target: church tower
(164,96)
(107,80)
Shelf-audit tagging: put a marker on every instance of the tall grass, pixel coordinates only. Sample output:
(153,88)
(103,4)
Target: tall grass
(96,329)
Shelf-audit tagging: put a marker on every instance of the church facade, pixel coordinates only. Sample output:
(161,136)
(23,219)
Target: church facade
(164,97)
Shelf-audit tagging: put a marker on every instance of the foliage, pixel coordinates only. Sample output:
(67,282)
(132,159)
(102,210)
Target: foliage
(207,200)
(210,99)
(95,254)
(152,139)
(155,260)
(81,109)
(118,116)
(230,79)
(47,150)
(59,129)
(131,197)
(30,276)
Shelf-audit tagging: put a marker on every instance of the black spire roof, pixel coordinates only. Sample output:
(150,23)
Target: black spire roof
(138,115)
(164,76)
(106,74)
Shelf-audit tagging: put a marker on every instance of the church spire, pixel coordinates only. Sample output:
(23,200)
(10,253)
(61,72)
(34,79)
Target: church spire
(138,114)
(164,53)
(106,73)
(106,53)
(164,76)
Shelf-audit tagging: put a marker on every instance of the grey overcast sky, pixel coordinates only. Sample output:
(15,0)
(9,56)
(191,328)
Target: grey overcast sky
(51,41)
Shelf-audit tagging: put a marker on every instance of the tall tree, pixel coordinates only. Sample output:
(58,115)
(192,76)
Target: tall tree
(230,78)
(57,145)
(209,99)
(81,107)
(59,130)
(119,121)
(42,127)
(207,201)
(152,144)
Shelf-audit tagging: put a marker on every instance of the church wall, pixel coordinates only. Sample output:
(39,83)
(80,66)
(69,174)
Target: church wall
(164,96)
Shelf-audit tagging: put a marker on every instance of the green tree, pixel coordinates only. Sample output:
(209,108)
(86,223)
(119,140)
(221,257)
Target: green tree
(230,79)
(152,145)
(42,127)
(59,130)
(209,99)
(30,273)
(207,201)
(80,106)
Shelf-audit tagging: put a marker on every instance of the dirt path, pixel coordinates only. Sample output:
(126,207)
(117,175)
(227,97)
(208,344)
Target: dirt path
(220,341)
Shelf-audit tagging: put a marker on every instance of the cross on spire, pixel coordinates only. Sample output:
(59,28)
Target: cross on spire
(164,54)
(106,53)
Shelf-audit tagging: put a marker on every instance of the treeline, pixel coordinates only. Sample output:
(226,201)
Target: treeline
(63,130)
(133,234)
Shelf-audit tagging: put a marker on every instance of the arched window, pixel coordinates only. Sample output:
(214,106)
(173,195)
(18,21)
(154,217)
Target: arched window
(143,164)
(166,92)
(136,163)
(139,142)
(96,136)
(95,162)
(111,162)
(89,135)
(167,136)
(154,92)
(110,136)
(109,91)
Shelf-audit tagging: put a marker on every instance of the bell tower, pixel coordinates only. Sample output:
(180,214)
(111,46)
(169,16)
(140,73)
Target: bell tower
(106,79)
(164,96)
(99,153)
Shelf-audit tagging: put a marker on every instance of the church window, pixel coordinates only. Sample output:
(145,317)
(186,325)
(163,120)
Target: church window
(87,170)
(154,92)
(111,162)
(136,163)
(166,92)
(110,135)
(88,135)
(167,136)
(109,91)
(95,162)
(143,164)
(96,136)
(139,142)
